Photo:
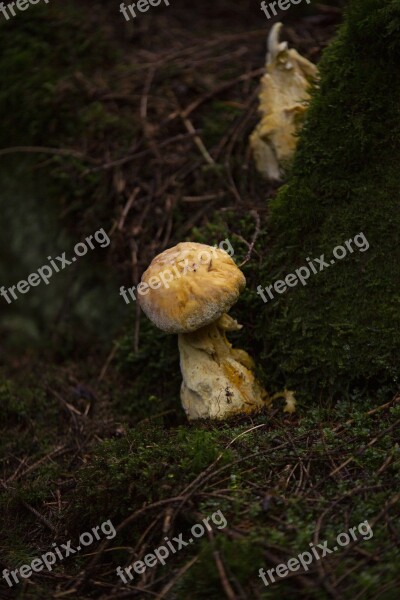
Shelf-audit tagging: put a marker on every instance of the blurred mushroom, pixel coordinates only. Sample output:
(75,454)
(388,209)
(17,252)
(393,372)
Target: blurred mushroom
(187,290)
(283,102)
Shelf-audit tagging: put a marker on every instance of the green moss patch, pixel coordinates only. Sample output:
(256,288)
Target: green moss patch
(343,327)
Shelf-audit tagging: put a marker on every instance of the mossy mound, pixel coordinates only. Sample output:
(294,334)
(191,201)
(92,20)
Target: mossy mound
(343,327)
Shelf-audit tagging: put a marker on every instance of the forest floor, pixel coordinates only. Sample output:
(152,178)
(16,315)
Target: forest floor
(156,149)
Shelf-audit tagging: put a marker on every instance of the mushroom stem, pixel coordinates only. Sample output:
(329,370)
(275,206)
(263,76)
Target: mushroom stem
(218,380)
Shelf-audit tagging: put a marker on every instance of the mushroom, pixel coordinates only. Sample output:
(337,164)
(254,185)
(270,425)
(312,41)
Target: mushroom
(283,103)
(188,290)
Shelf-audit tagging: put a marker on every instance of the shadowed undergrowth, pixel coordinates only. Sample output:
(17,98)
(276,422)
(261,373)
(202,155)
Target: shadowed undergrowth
(280,482)
(96,431)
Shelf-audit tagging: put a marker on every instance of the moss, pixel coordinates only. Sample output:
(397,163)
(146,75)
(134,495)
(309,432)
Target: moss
(203,580)
(26,415)
(153,373)
(258,499)
(52,59)
(343,326)
(40,85)
(147,465)
(270,503)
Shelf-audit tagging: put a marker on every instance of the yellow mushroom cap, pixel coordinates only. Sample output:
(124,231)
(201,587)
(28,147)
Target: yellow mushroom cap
(189,286)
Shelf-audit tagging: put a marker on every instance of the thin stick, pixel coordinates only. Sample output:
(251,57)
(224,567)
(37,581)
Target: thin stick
(197,140)
(45,150)
(370,412)
(221,88)
(256,216)
(173,581)
(36,464)
(108,361)
(230,594)
(41,518)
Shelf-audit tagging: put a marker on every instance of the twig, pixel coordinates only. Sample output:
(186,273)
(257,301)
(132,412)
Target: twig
(45,150)
(147,130)
(362,450)
(197,140)
(131,157)
(125,211)
(256,216)
(108,361)
(370,412)
(221,88)
(135,277)
(34,466)
(84,575)
(173,581)
(204,198)
(230,594)
(41,518)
